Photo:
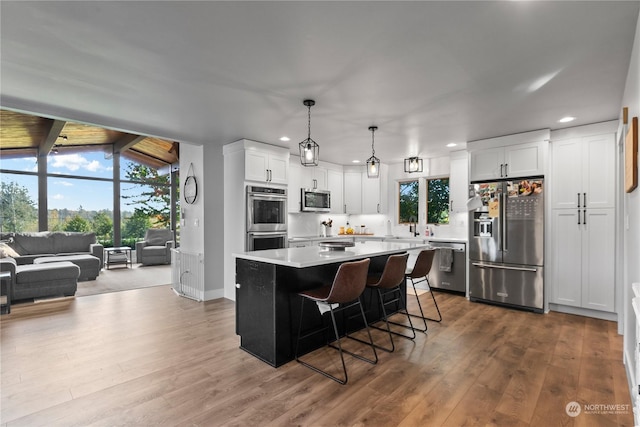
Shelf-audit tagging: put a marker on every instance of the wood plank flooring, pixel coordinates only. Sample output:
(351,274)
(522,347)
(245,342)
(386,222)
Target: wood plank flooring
(147,357)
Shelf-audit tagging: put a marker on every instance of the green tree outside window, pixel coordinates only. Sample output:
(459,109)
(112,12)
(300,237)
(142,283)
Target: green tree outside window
(438,201)
(408,201)
(19,211)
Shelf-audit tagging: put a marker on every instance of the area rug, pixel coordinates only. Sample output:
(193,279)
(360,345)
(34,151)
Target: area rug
(121,279)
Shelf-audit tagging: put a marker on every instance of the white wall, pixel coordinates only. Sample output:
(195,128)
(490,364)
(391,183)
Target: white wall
(191,237)
(201,225)
(631,273)
(212,226)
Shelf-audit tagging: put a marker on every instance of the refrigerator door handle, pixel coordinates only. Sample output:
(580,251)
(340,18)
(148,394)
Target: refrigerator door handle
(504,222)
(504,267)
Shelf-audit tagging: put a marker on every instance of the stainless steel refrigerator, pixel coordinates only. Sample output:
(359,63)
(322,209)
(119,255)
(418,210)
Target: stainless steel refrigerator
(506,243)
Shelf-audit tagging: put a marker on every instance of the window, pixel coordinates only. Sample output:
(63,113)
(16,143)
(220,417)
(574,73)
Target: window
(408,201)
(18,203)
(438,201)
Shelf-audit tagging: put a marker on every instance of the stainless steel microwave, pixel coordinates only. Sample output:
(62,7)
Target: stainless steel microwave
(313,200)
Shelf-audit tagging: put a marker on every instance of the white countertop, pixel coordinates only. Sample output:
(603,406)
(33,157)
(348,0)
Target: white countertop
(313,255)
(380,236)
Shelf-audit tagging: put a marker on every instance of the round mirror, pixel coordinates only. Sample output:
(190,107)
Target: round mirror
(190,189)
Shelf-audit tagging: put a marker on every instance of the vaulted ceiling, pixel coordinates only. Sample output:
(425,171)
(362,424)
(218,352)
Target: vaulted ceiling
(25,134)
(426,73)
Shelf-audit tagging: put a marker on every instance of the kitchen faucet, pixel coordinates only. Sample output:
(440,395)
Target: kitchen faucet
(413,229)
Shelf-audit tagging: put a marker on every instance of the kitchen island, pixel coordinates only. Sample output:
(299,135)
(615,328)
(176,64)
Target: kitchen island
(267,283)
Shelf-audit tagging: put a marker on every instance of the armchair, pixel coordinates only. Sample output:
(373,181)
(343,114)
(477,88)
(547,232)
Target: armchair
(156,247)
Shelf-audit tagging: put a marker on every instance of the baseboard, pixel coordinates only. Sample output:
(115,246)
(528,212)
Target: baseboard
(603,315)
(213,294)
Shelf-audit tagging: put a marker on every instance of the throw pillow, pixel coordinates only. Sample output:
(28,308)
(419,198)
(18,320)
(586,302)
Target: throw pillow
(7,251)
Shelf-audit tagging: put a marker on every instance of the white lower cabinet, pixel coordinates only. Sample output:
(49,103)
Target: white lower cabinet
(583,250)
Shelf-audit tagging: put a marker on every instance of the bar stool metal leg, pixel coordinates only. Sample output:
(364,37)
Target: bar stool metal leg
(338,345)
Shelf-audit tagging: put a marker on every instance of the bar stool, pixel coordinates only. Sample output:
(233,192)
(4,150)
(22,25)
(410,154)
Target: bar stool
(418,274)
(346,289)
(392,277)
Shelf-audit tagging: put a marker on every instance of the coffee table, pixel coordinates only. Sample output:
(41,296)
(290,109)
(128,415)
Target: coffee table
(118,256)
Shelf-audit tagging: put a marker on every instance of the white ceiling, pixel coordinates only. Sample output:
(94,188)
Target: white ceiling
(426,73)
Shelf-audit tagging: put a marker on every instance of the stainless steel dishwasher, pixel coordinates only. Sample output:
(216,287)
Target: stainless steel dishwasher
(454,280)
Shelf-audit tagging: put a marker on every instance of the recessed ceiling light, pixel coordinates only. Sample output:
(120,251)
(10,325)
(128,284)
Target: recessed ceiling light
(285,138)
(566,119)
(355,161)
(451,144)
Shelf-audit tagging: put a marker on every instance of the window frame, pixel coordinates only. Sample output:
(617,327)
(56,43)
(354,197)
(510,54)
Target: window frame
(400,183)
(427,181)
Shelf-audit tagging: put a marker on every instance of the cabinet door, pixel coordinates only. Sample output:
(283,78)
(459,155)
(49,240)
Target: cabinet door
(598,177)
(598,259)
(353,192)
(567,257)
(256,164)
(335,183)
(524,160)
(320,178)
(566,169)
(278,168)
(458,185)
(293,187)
(370,194)
(487,164)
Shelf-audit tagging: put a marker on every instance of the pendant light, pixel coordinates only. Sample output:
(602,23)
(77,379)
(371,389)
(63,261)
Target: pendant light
(413,164)
(309,150)
(373,163)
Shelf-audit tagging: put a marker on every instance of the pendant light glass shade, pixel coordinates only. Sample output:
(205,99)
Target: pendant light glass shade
(373,163)
(309,150)
(413,164)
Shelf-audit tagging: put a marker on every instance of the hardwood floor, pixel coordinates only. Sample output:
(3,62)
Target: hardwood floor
(148,357)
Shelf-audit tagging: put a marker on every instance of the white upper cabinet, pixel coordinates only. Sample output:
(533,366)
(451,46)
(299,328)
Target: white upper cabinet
(314,177)
(583,171)
(293,189)
(257,161)
(458,182)
(266,166)
(364,195)
(335,184)
(487,164)
(352,192)
(513,161)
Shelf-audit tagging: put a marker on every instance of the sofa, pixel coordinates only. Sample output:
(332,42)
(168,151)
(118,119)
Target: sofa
(29,246)
(156,247)
(55,279)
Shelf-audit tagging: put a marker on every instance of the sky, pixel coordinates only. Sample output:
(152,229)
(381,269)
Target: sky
(71,193)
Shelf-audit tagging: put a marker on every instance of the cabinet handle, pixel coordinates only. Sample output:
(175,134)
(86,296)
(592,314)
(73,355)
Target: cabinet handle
(378,208)
(584,217)
(578,199)
(237,285)
(345,208)
(315,184)
(578,216)
(501,168)
(450,205)
(506,169)
(584,200)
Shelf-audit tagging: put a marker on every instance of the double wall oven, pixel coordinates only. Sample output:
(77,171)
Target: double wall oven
(266,218)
